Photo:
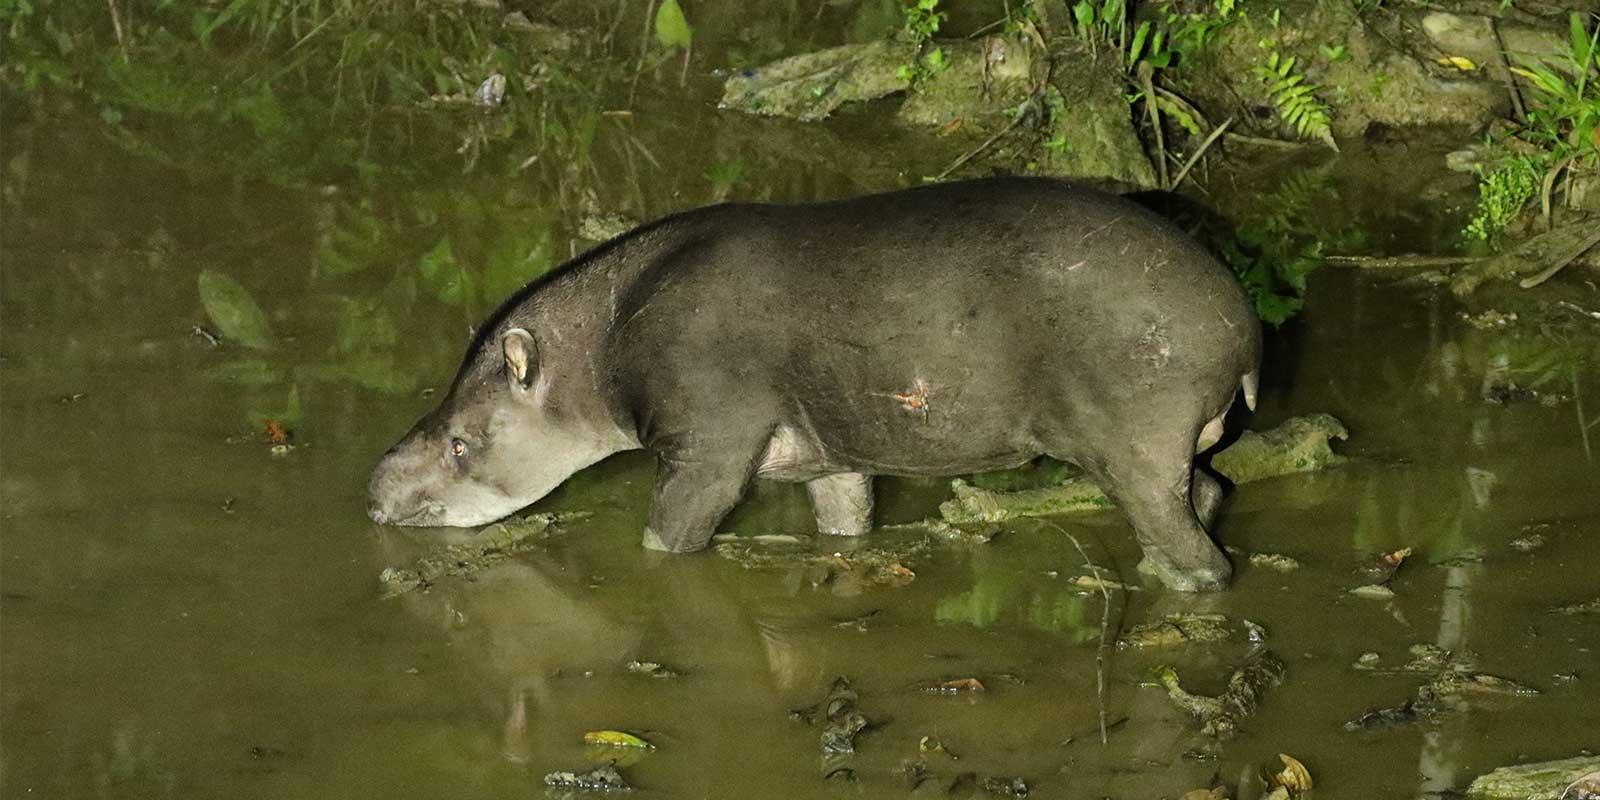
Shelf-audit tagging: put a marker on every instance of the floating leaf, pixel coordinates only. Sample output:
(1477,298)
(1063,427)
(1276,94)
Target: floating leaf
(1459,62)
(672,27)
(956,686)
(616,739)
(235,313)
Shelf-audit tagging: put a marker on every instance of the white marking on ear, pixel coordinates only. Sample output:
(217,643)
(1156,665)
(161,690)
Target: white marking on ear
(522,357)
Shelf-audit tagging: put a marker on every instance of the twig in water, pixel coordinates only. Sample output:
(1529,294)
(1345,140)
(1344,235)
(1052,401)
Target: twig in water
(1580,309)
(1560,263)
(970,154)
(1188,165)
(1402,262)
(1265,142)
(1105,630)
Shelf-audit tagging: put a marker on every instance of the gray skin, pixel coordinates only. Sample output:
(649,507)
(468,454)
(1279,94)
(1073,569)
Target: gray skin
(932,331)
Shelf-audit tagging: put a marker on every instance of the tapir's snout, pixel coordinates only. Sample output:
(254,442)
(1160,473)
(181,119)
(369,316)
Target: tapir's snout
(389,501)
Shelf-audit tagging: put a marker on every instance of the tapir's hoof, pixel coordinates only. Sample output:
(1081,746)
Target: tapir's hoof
(1207,579)
(653,541)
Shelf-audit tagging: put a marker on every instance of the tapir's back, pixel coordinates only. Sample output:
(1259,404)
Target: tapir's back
(949,325)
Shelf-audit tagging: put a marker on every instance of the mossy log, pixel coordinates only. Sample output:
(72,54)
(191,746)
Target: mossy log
(1300,444)
(1547,780)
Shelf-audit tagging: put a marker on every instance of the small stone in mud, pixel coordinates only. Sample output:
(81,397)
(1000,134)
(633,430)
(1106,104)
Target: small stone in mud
(1373,590)
(652,669)
(1279,562)
(604,778)
(1005,787)
(1368,660)
(1529,543)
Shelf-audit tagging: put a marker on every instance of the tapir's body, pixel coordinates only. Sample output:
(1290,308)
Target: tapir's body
(932,331)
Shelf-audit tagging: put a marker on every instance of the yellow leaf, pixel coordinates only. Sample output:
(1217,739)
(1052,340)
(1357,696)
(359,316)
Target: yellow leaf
(616,739)
(1294,777)
(1459,62)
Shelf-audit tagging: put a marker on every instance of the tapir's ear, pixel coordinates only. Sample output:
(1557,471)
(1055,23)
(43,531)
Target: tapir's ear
(522,357)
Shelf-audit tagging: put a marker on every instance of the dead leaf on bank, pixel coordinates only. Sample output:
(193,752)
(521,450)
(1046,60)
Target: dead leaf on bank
(1459,62)
(1294,777)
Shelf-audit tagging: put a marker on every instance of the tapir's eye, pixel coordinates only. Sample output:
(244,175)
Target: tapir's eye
(458,448)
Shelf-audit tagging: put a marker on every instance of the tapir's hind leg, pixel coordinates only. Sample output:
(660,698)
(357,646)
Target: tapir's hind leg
(842,502)
(1154,483)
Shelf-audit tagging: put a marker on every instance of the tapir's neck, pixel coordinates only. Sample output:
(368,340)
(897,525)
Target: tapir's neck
(576,318)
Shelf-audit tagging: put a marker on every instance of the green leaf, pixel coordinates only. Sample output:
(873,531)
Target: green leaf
(672,27)
(246,372)
(444,276)
(1139,35)
(1083,12)
(235,313)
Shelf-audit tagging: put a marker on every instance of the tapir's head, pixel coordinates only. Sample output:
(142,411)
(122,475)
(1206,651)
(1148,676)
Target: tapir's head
(503,437)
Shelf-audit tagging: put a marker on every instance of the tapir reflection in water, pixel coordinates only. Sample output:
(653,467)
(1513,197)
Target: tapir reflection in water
(939,330)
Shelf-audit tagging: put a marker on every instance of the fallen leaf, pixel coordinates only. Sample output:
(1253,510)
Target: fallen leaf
(1459,62)
(1294,777)
(276,433)
(956,686)
(951,127)
(616,739)
(1395,558)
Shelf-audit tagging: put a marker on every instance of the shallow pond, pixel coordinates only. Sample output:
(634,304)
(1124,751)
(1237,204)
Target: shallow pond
(187,614)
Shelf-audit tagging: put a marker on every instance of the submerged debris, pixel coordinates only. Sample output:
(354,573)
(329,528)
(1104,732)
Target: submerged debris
(1220,716)
(839,717)
(1300,444)
(604,778)
(1274,561)
(1568,779)
(1452,680)
(1585,607)
(1177,629)
(489,546)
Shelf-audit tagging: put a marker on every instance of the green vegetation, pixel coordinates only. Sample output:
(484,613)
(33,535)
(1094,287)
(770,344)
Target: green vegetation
(1295,99)
(1561,135)
(922,19)
(1284,238)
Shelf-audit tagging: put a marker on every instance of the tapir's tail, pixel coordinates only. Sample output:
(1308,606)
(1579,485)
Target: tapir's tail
(1249,383)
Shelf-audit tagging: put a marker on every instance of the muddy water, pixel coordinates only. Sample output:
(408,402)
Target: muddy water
(186,614)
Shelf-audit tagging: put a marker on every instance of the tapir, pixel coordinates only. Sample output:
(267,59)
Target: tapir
(938,330)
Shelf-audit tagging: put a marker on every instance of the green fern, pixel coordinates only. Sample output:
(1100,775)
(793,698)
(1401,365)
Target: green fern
(1296,100)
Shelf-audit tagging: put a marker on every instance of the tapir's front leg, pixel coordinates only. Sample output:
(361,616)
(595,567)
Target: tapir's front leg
(692,495)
